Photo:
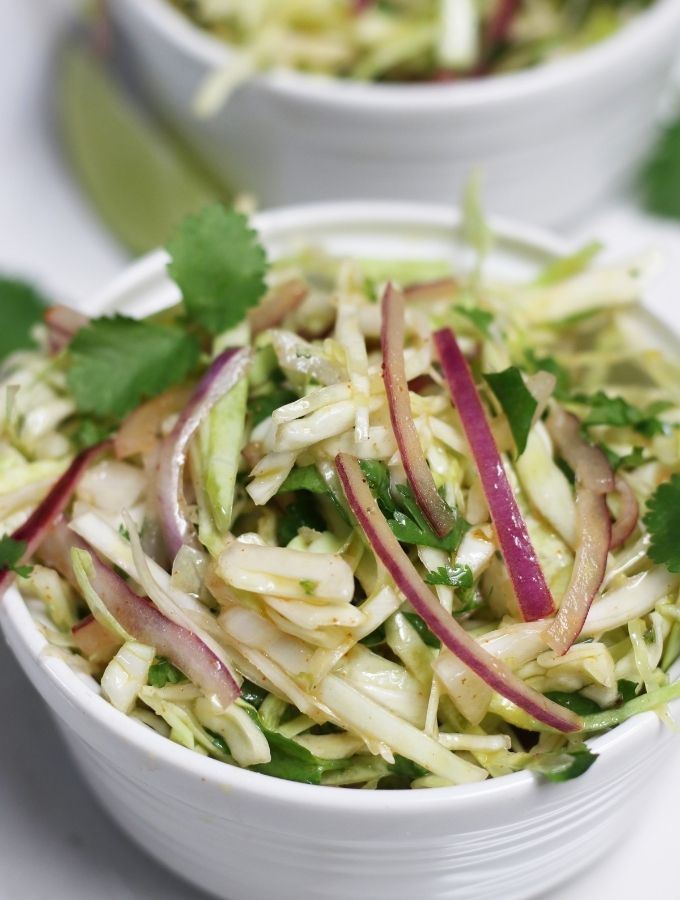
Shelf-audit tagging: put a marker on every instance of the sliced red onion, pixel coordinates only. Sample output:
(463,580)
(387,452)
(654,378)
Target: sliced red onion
(226,370)
(528,581)
(143,621)
(417,470)
(140,432)
(62,325)
(629,513)
(590,564)
(499,24)
(387,548)
(431,291)
(589,463)
(46,513)
(275,306)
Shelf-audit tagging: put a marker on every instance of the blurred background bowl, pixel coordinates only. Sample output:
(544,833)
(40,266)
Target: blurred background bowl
(551,141)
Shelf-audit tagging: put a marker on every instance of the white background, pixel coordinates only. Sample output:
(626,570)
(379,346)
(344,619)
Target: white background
(54,841)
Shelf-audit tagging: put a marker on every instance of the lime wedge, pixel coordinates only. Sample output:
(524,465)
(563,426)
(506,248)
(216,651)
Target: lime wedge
(137,176)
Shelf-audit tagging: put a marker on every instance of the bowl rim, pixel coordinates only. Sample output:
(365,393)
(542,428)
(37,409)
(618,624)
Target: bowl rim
(27,641)
(640,36)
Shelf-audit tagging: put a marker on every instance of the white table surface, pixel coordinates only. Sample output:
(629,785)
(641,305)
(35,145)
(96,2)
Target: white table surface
(54,841)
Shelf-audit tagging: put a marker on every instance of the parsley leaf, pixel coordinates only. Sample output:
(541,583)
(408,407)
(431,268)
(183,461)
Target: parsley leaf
(517,402)
(11,552)
(219,266)
(662,521)
(480,318)
(617,411)
(163,672)
(118,362)
(403,514)
(22,308)
(661,177)
(565,765)
(304,478)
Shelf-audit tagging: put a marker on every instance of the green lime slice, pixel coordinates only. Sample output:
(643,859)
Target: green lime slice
(137,176)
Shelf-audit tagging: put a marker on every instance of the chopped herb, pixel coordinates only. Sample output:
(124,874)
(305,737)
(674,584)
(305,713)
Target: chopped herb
(163,672)
(568,266)
(616,411)
(219,743)
(582,706)
(536,363)
(116,363)
(302,512)
(123,532)
(291,760)
(403,513)
(565,765)
(480,318)
(626,461)
(419,624)
(219,266)
(253,693)
(304,478)
(402,772)
(375,638)
(11,552)
(517,402)
(627,690)
(662,521)
(22,308)
(262,407)
(460,578)
(308,586)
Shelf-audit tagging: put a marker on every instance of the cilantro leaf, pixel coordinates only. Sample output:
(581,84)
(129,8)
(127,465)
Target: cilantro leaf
(219,266)
(582,706)
(517,402)
(462,580)
(304,478)
(403,514)
(568,266)
(11,552)
(627,690)
(253,693)
(662,521)
(263,406)
(302,512)
(480,318)
(375,638)
(163,672)
(402,772)
(661,176)
(565,765)
(536,363)
(22,308)
(617,411)
(90,432)
(116,363)
(420,626)
(625,461)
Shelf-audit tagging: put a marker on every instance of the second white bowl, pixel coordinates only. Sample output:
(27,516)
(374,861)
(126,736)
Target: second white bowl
(551,141)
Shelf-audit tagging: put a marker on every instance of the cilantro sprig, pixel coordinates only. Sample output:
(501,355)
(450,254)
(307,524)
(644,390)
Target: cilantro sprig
(11,553)
(163,672)
(618,412)
(662,521)
(219,265)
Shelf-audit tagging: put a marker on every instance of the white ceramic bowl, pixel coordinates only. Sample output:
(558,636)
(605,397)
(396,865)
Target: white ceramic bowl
(246,836)
(551,141)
